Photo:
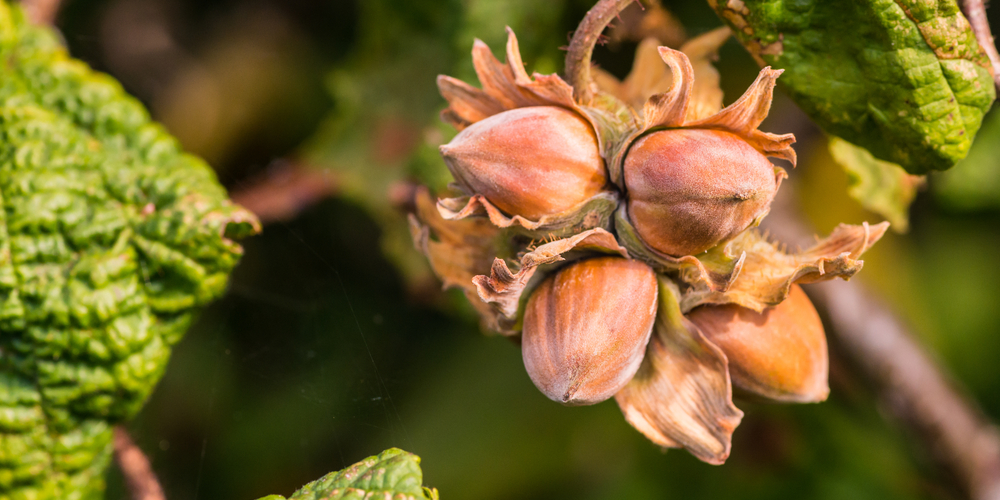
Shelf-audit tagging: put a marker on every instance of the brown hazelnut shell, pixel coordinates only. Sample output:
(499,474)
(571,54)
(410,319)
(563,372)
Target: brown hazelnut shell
(586,328)
(692,189)
(780,353)
(532,162)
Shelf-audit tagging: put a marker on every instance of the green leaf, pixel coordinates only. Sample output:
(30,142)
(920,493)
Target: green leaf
(974,184)
(393,474)
(111,238)
(880,186)
(904,79)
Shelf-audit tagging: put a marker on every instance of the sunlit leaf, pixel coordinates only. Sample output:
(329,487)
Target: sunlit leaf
(393,474)
(111,238)
(904,79)
(880,186)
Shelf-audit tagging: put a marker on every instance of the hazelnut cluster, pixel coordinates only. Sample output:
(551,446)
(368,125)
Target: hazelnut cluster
(630,224)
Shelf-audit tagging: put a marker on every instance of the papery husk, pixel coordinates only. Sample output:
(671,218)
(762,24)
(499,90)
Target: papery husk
(617,107)
(456,250)
(750,270)
(649,76)
(506,292)
(703,51)
(593,213)
(768,271)
(670,109)
(778,355)
(505,86)
(714,268)
(681,397)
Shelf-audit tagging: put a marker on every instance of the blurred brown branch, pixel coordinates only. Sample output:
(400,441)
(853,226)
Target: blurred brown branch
(914,387)
(284,190)
(975,12)
(139,477)
(911,384)
(41,11)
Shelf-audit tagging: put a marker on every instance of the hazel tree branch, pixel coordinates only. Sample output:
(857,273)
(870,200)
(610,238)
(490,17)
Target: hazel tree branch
(914,387)
(581,47)
(917,390)
(139,477)
(285,190)
(975,12)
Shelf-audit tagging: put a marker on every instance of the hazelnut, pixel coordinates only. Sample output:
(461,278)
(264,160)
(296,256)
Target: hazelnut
(532,162)
(692,189)
(586,328)
(779,354)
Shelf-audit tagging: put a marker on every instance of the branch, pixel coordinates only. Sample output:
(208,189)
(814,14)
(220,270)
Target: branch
(581,47)
(975,12)
(916,390)
(41,12)
(914,387)
(139,476)
(285,190)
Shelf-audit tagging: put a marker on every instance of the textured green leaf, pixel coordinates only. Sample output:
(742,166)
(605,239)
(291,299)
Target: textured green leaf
(393,475)
(880,186)
(974,184)
(904,79)
(110,238)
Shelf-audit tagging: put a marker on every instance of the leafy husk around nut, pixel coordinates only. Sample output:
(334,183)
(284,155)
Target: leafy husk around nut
(750,270)
(473,254)
(768,270)
(681,397)
(586,328)
(457,250)
(670,109)
(595,212)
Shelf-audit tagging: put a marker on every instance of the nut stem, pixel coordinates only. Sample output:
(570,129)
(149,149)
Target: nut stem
(581,47)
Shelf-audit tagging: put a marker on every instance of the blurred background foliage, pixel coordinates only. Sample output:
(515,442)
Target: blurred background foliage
(334,341)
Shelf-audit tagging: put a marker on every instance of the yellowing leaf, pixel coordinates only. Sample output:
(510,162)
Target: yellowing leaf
(880,186)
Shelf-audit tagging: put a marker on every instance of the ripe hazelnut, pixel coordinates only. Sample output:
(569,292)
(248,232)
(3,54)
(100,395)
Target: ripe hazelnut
(780,353)
(691,189)
(586,328)
(532,162)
